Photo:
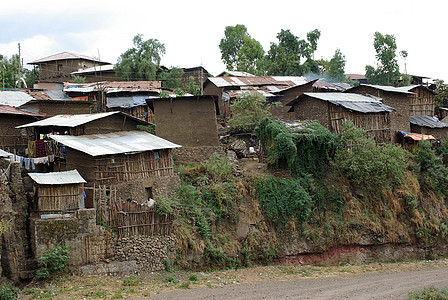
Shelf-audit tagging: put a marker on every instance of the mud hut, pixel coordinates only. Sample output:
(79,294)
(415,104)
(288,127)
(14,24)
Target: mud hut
(331,109)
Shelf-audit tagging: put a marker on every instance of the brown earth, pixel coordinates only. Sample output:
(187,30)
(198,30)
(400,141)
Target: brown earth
(361,281)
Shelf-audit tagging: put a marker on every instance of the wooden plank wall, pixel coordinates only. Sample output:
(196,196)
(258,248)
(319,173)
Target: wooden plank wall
(422,103)
(376,125)
(115,168)
(59,198)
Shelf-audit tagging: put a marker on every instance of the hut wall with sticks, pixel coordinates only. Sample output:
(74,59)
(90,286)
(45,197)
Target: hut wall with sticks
(332,109)
(57,193)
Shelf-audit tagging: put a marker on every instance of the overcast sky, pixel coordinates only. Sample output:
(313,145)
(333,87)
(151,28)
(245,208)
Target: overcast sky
(191,30)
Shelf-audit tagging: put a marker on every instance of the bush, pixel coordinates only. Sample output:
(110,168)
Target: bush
(429,293)
(282,199)
(8,291)
(368,164)
(166,204)
(171,279)
(219,167)
(52,261)
(193,277)
(214,257)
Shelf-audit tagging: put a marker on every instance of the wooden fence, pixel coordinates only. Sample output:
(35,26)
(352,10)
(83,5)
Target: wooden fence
(128,217)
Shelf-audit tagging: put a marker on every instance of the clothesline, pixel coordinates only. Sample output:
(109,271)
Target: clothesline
(30,163)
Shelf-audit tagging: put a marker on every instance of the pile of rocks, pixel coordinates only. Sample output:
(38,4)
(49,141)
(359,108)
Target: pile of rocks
(150,252)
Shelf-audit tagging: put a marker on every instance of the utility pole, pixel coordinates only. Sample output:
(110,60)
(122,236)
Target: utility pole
(3,76)
(20,75)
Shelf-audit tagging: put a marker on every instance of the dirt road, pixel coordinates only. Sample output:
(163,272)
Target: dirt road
(379,285)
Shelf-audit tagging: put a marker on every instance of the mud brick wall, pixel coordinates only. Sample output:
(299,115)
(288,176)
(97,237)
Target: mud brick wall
(438,133)
(312,109)
(87,242)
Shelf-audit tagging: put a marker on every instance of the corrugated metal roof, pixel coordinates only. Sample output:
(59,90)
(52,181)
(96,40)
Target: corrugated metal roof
(427,121)
(115,143)
(236,74)
(355,102)
(387,88)
(9,110)
(286,81)
(94,69)
(66,177)
(126,102)
(133,86)
(14,98)
(69,120)
(58,95)
(65,55)
(5,154)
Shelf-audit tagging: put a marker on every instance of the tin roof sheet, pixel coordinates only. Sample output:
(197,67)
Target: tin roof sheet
(66,177)
(14,98)
(9,110)
(427,121)
(69,120)
(65,55)
(115,143)
(236,74)
(126,102)
(355,102)
(229,81)
(133,86)
(103,68)
(387,88)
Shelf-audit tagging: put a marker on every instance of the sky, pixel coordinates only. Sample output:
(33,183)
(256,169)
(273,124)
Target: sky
(191,30)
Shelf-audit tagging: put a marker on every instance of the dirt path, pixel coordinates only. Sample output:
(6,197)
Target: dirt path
(381,285)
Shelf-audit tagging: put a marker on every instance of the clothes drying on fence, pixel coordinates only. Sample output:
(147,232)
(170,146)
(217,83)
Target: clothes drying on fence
(31,148)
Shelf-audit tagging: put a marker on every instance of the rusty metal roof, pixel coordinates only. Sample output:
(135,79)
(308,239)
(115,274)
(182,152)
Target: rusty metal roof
(133,86)
(285,81)
(9,110)
(52,178)
(65,56)
(115,143)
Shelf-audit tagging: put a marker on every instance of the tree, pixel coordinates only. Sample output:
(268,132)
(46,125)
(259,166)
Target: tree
(239,51)
(387,71)
(192,87)
(9,69)
(142,61)
(248,109)
(336,66)
(441,98)
(285,56)
(172,78)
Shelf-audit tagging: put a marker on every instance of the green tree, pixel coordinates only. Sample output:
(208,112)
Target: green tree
(172,78)
(441,98)
(336,66)
(387,71)
(286,55)
(239,51)
(9,69)
(142,61)
(249,109)
(191,86)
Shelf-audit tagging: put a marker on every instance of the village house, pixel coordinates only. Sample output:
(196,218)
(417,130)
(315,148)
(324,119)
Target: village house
(48,103)
(11,138)
(97,74)
(228,88)
(429,126)
(332,109)
(188,120)
(57,68)
(397,98)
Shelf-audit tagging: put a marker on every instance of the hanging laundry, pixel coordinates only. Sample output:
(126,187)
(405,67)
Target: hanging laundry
(31,148)
(40,148)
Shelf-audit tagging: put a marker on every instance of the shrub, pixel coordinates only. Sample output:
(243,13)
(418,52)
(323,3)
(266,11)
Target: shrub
(8,291)
(367,164)
(166,204)
(429,293)
(131,282)
(219,167)
(168,266)
(282,199)
(214,257)
(171,279)
(52,261)
(193,277)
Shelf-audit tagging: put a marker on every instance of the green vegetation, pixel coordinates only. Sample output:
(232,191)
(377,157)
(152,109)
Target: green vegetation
(8,291)
(429,293)
(53,262)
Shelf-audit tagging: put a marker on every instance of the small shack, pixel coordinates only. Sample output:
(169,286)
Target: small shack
(429,126)
(331,109)
(58,193)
